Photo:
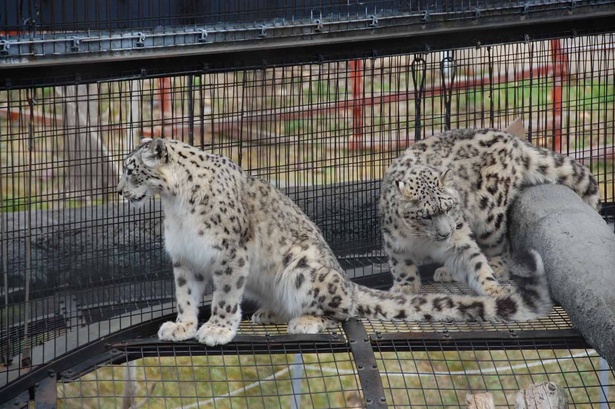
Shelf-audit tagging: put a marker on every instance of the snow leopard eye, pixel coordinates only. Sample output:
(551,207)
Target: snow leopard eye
(447,205)
(426,216)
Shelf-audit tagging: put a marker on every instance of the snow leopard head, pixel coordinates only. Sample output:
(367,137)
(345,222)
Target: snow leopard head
(428,202)
(141,177)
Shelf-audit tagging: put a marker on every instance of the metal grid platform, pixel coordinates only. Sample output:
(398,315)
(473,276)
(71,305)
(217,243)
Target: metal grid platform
(362,362)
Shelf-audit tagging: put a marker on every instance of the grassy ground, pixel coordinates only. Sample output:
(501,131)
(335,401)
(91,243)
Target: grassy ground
(264,381)
(417,379)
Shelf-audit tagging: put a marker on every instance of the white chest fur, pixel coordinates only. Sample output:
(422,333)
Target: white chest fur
(185,245)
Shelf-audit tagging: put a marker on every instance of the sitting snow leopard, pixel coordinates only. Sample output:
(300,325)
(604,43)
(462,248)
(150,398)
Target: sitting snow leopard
(446,198)
(225,227)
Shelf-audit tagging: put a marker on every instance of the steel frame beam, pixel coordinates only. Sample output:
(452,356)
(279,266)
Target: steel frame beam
(141,62)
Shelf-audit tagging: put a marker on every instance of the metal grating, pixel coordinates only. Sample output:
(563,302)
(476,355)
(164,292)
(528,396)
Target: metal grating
(85,278)
(373,363)
(445,377)
(190,376)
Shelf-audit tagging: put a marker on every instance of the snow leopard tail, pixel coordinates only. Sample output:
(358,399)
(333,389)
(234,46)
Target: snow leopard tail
(546,166)
(529,299)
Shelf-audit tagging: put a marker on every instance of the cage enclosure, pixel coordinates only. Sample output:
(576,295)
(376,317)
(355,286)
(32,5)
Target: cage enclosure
(317,98)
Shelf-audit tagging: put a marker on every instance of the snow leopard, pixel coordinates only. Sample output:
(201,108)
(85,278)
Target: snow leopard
(445,200)
(249,241)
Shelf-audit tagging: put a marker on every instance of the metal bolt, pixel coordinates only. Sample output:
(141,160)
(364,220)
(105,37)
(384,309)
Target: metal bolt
(140,40)
(374,22)
(75,45)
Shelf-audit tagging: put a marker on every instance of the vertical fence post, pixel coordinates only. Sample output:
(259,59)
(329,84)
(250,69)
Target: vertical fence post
(358,103)
(559,62)
(164,102)
(296,373)
(603,379)
(419,72)
(447,75)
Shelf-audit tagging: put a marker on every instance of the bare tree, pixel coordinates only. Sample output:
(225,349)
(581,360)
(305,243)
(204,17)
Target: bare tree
(90,169)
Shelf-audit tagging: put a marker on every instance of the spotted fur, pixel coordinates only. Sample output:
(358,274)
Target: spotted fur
(239,233)
(446,198)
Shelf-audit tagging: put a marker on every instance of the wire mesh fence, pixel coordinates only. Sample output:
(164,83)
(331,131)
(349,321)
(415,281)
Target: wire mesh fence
(240,378)
(413,365)
(79,265)
(444,378)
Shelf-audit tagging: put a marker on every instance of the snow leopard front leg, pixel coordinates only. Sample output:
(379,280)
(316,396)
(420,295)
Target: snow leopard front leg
(403,268)
(230,272)
(494,243)
(465,261)
(189,288)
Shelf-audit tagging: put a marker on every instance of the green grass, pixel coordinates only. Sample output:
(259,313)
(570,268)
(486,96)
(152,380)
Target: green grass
(422,379)
(255,381)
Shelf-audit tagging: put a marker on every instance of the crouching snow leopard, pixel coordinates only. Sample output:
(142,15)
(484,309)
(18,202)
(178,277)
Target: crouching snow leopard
(446,199)
(225,227)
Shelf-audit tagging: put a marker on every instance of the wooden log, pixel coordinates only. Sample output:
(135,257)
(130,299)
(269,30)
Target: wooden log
(578,251)
(545,395)
(483,400)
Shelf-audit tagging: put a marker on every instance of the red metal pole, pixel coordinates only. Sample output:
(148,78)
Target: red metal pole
(559,61)
(358,108)
(164,100)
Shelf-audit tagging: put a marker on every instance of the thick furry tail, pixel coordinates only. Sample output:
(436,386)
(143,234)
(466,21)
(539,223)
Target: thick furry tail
(545,166)
(528,300)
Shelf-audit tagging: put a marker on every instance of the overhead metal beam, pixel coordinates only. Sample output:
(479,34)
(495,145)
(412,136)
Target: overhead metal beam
(162,54)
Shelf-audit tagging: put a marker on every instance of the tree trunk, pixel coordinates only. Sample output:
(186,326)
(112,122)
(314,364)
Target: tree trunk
(89,168)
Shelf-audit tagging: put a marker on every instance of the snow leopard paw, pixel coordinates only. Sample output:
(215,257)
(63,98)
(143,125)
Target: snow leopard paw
(406,287)
(177,331)
(494,289)
(310,324)
(443,275)
(212,334)
(266,317)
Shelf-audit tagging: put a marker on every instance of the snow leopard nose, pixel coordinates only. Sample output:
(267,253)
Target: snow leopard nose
(442,237)
(120,188)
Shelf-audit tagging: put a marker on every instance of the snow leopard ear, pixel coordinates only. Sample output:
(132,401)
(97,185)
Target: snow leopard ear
(447,178)
(405,189)
(155,153)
